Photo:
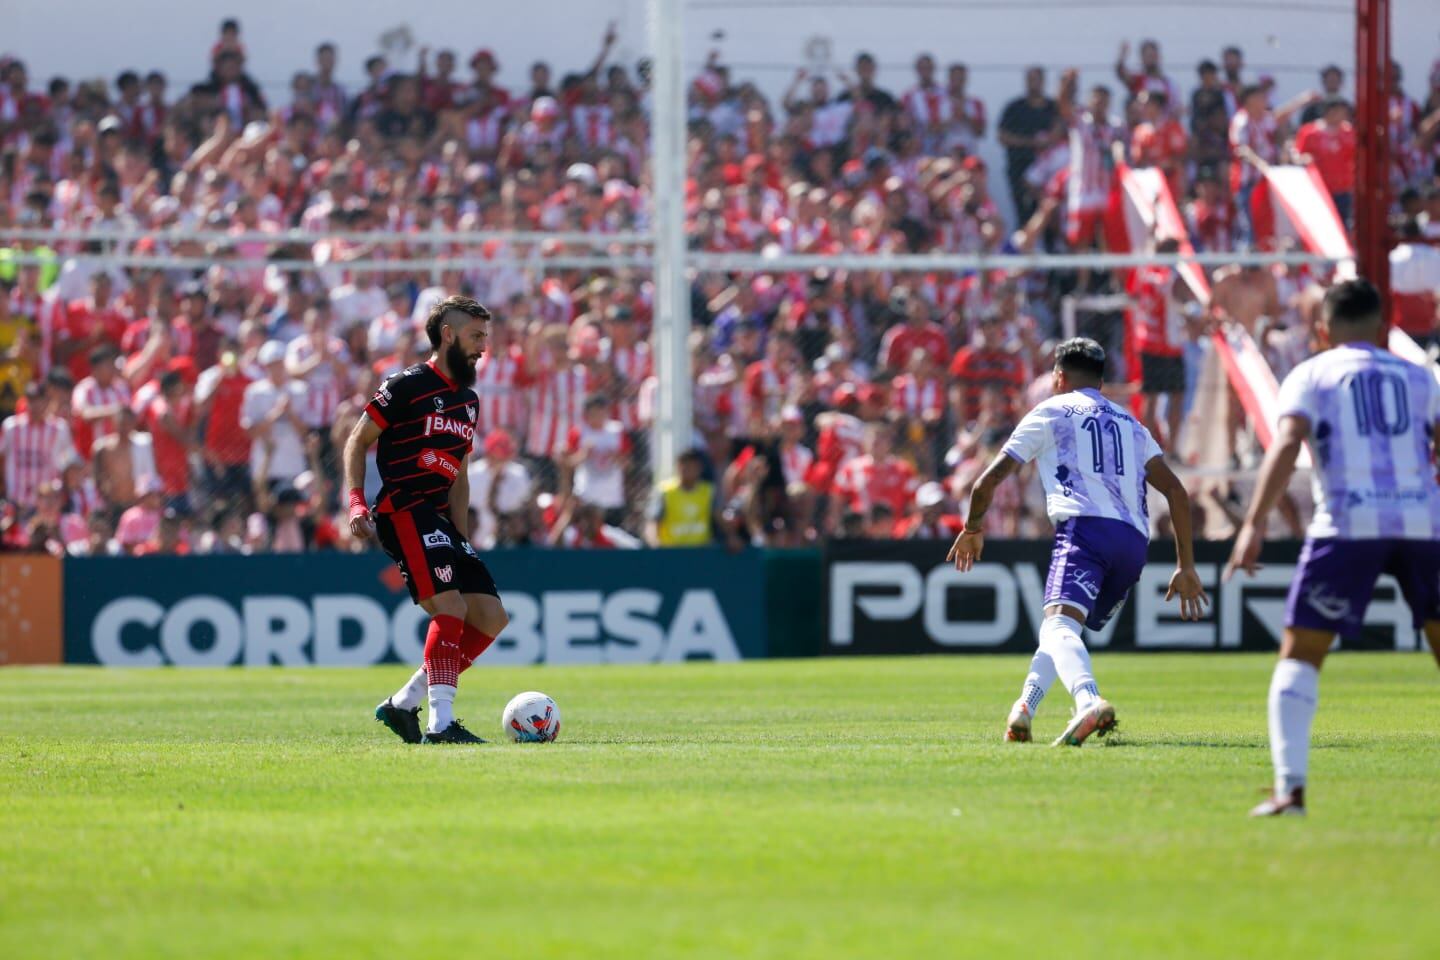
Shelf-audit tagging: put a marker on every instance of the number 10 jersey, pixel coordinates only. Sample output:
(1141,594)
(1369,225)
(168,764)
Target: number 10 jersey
(1372,417)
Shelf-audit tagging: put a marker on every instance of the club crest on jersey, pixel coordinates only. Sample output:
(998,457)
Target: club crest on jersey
(438,423)
(445,574)
(436,539)
(439,403)
(470,412)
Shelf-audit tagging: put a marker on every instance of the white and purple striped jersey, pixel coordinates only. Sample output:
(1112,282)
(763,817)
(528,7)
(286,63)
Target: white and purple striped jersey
(1092,457)
(1371,417)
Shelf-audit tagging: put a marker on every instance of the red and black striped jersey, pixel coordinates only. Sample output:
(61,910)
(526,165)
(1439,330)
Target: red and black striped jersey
(427,426)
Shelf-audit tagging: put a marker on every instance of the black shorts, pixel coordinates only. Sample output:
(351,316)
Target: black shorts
(431,554)
(1161,374)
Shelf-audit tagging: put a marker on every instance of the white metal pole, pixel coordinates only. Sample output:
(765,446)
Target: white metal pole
(673,423)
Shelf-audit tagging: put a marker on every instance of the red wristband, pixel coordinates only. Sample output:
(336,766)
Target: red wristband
(357,503)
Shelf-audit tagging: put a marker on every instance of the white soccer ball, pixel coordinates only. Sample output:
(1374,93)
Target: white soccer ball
(531,718)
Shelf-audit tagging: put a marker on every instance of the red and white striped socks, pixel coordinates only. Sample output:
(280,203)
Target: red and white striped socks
(444,659)
(451,646)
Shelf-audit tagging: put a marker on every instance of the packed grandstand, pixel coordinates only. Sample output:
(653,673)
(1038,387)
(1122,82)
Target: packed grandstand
(196,403)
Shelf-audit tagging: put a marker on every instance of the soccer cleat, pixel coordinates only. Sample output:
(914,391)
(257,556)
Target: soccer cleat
(1291,805)
(1098,719)
(451,734)
(1017,727)
(405,724)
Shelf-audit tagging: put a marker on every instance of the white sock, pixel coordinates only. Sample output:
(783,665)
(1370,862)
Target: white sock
(1060,638)
(412,694)
(1294,693)
(442,707)
(1038,680)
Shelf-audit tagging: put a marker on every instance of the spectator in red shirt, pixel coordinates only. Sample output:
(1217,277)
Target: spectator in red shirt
(1151,78)
(985,363)
(1158,330)
(440,91)
(1160,141)
(219,397)
(170,419)
(1329,143)
(877,477)
(88,323)
(917,332)
(97,400)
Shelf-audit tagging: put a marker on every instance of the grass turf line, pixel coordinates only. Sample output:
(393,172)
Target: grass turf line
(827,809)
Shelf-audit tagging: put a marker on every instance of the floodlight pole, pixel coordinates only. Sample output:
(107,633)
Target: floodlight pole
(671,334)
(1372,156)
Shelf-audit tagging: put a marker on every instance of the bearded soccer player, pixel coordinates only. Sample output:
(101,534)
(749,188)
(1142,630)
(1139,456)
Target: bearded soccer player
(1372,421)
(1095,461)
(424,420)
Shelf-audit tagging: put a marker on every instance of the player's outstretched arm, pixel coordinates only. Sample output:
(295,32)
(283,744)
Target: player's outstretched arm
(1185,582)
(365,433)
(970,542)
(1275,471)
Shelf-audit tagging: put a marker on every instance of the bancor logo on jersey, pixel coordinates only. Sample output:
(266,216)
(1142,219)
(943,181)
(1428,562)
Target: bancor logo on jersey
(436,423)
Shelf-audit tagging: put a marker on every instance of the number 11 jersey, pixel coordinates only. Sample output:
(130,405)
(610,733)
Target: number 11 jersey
(1091,456)
(1372,417)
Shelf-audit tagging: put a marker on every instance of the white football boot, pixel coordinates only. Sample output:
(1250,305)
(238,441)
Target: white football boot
(1098,719)
(1017,727)
(1291,804)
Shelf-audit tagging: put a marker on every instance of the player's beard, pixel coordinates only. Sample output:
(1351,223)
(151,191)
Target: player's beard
(462,368)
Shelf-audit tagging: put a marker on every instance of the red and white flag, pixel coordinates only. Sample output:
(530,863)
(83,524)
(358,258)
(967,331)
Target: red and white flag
(1292,202)
(1142,211)
(1254,383)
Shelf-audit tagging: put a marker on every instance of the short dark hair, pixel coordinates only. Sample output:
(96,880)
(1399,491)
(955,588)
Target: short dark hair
(466,305)
(694,455)
(1352,301)
(1081,355)
(596,400)
(104,353)
(230,23)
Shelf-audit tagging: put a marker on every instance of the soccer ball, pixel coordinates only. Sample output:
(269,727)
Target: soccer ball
(531,718)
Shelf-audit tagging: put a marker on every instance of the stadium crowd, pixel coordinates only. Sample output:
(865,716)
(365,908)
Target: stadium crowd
(161,409)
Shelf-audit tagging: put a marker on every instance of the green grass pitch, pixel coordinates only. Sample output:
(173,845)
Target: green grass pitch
(860,808)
